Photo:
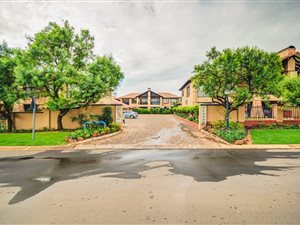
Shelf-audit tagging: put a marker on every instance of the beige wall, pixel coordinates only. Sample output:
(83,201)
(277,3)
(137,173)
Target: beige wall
(192,98)
(48,119)
(215,113)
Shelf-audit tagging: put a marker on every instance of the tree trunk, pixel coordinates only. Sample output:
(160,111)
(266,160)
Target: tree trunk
(8,114)
(60,116)
(10,122)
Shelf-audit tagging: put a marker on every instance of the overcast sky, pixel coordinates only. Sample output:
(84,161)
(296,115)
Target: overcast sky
(158,43)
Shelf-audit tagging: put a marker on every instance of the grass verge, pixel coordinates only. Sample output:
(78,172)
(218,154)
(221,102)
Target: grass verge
(275,136)
(41,139)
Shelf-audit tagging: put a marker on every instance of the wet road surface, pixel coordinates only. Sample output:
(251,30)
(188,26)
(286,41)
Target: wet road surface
(34,174)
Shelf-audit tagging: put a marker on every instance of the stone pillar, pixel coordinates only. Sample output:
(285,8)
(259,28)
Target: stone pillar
(278,114)
(137,102)
(161,102)
(202,116)
(241,114)
(149,98)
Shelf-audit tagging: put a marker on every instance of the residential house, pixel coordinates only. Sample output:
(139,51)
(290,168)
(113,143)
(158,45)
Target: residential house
(254,112)
(191,95)
(150,99)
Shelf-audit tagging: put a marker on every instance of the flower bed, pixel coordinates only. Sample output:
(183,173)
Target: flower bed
(94,131)
(235,134)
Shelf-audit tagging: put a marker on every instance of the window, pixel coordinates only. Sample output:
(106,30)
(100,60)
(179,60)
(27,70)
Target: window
(166,101)
(143,101)
(201,93)
(182,93)
(155,101)
(133,101)
(125,100)
(28,108)
(188,91)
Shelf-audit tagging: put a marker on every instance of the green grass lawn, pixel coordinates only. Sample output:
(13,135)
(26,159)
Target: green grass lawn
(41,138)
(275,136)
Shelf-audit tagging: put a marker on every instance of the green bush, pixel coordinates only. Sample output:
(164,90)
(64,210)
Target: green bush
(230,135)
(106,115)
(153,111)
(114,127)
(188,112)
(276,126)
(93,131)
(235,132)
(221,125)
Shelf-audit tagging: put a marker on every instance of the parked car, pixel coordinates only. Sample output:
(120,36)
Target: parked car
(130,114)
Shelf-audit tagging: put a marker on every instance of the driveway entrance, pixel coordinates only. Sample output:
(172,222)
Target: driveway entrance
(158,131)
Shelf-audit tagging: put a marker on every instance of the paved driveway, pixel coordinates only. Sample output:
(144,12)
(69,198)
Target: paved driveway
(161,131)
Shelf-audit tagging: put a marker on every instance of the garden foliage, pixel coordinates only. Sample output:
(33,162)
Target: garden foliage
(235,132)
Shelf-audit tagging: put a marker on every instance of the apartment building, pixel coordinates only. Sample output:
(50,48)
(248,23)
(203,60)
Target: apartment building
(150,99)
(194,95)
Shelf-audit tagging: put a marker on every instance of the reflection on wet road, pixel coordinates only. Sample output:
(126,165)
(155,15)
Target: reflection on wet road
(34,173)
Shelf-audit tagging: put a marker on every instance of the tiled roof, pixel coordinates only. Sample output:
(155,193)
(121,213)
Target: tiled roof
(167,95)
(185,84)
(108,101)
(131,95)
(162,94)
(290,55)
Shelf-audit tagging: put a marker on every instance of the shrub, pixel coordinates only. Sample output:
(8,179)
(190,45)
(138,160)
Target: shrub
(188,112)
(235,132)
(276,126)
(93,131)
(80,118)
(107,115)
(114,127)
(153,111)
(221,124)
(231,135)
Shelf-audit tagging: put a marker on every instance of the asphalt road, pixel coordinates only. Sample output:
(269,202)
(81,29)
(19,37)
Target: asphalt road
(150,187)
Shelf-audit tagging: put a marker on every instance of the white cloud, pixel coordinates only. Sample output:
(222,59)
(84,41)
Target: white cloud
(157,44)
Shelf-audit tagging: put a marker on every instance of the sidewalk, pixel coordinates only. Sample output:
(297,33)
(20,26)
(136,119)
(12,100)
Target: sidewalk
(144,147)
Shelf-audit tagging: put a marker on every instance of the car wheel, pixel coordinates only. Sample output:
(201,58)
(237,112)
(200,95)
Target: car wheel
(131,117)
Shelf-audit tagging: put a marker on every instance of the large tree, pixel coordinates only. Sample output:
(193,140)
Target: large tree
(243,72)
(60,64)
(10,91)
(291,91)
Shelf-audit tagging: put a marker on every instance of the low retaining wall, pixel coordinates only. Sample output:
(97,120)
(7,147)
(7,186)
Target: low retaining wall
(252,123)
(190,123)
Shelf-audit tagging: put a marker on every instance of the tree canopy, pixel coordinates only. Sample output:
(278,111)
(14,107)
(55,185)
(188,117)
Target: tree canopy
(244,72)
(60,64)
(10,91)
(291,91)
